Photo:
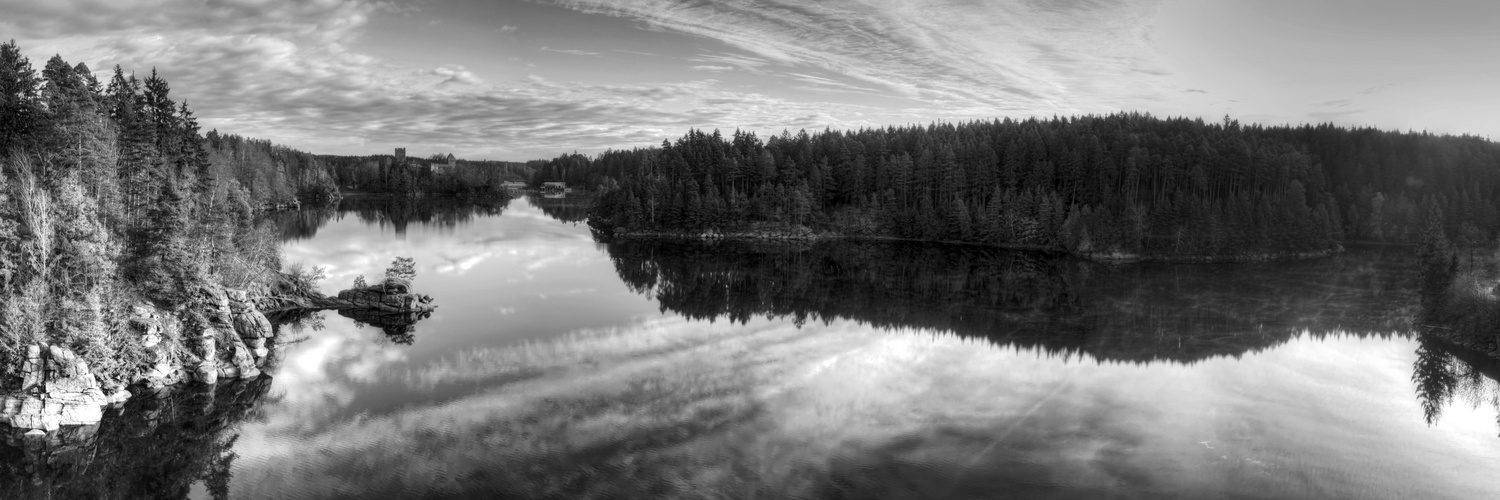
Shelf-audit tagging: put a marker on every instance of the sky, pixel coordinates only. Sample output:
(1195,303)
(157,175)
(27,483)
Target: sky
(520,80)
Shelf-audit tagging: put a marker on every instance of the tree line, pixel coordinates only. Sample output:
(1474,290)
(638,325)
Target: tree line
(1124,183)
(386,174)
(111,196)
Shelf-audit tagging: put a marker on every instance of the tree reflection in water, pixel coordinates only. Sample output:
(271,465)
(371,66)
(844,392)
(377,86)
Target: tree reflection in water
(157,445)
(1444,373)
(1130,313)
(1140,313)
(398,212)
(569,208)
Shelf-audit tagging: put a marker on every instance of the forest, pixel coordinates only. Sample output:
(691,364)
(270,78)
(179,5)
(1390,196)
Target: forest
(111,198)
(1112,185)
(386,174)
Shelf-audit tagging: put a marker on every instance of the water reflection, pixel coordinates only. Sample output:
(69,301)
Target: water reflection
(1133,313)
(1445,373)
(565,208)
(558,368)
(398,212)
(158,445)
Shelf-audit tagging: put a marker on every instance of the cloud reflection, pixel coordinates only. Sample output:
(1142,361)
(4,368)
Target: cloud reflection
(676,408)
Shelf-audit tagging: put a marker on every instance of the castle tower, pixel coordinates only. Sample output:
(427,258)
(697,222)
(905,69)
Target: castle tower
(400,155)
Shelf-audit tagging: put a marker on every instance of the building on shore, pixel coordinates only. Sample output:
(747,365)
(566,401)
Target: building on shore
(448,167)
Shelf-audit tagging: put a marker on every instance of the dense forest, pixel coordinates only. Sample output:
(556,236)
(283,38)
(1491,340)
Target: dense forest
(386,174)
(111,199)
(1095,185)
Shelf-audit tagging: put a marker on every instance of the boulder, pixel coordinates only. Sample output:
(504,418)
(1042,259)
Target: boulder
(62,392)
(234,359)
(207,370)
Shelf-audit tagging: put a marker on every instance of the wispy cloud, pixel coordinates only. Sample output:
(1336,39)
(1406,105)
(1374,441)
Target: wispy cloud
(574,52)
(297,72)
(956,54)
(289,72)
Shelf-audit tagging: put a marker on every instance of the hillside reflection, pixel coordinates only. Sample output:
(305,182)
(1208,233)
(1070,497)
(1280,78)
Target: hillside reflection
(1445,374)
(565,208)
(397,212)
(1131,313)
(157,445)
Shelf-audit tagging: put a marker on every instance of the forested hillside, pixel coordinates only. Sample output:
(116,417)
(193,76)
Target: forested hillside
(1115,184)
(386,174)
(111,199)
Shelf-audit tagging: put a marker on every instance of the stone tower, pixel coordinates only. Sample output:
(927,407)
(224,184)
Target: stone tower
(400,155)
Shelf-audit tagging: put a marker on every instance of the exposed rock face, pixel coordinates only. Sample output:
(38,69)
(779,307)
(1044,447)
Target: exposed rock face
(390,296)
(235,359)
(58,389)
(232,343)
(252,326)
(220,335)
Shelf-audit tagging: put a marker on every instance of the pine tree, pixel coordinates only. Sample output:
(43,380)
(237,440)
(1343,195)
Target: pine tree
(20,113)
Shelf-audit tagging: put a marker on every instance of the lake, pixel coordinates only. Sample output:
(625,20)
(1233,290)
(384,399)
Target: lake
(557,366)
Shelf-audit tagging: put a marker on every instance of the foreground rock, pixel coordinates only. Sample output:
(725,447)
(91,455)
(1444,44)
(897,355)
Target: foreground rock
(57,389)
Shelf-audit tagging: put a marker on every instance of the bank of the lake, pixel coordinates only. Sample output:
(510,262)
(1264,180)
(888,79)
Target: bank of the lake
(774,233)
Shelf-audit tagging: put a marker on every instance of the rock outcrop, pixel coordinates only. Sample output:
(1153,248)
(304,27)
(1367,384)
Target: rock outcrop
(188,429)
(391,296)
(57,389)
(221,334)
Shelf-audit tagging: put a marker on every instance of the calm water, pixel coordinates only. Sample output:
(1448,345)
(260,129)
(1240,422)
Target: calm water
(559,367)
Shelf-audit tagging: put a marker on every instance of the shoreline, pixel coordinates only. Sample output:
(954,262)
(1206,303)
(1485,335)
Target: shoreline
(220,334)
(803,234)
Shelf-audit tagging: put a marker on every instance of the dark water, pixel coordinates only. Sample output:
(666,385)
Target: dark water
(558,367)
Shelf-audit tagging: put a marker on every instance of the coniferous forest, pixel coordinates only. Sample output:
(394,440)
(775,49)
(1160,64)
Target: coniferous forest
(384,174)
(112,197)
(1105,186)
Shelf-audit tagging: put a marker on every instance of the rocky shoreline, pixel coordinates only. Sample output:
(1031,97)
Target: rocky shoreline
(222,334)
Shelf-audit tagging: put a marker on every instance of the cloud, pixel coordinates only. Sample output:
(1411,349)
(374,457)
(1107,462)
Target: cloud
(574,52)
(951,54)
(288,72)
(325,19)
(454,74)
(506,28)
(294,73)
(1334,115)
